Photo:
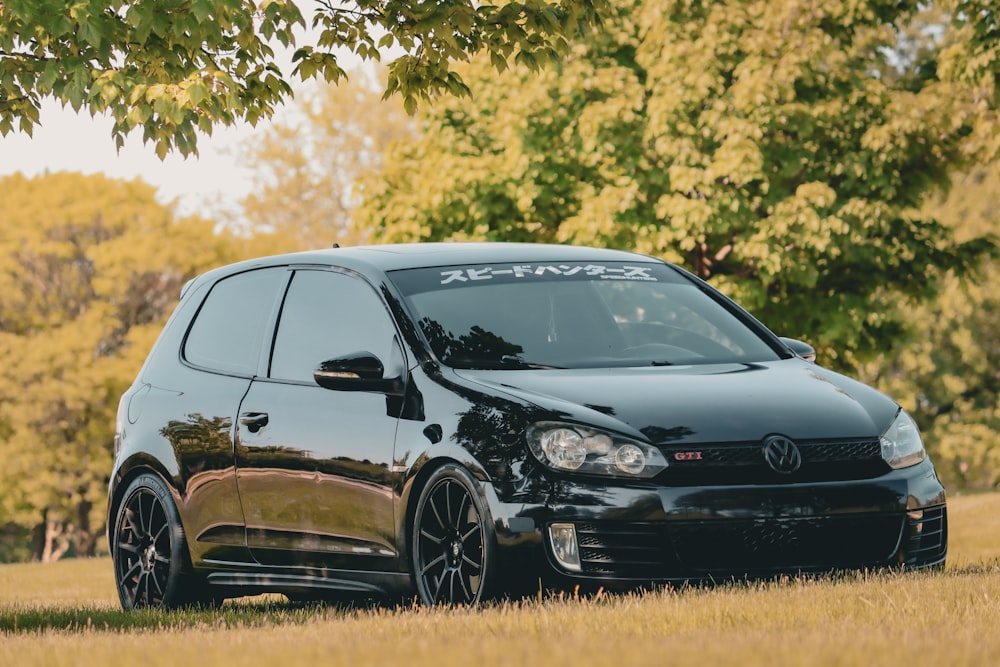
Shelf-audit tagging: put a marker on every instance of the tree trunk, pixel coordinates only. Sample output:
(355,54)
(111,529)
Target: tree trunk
(38,538)
(84,538)
(58,539)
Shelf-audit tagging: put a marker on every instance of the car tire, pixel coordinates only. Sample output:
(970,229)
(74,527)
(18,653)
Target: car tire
(149,551)
(453,545)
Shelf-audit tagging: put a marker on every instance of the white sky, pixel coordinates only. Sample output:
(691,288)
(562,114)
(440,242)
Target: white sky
(67,141)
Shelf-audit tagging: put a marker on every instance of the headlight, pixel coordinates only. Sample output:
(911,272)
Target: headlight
(571,447)
(901,444)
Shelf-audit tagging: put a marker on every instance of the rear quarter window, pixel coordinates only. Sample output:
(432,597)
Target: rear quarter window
(229,329)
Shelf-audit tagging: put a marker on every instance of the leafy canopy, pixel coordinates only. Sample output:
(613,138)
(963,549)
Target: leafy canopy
(763,145)
(90,268)
(174,67)
(305,164)
(946,375)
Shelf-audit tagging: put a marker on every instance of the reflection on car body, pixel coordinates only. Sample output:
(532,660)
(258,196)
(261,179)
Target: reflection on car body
(465,421)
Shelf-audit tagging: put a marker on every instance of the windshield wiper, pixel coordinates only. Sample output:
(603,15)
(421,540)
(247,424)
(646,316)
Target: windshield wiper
(662,363)
(515,361)
(506,362)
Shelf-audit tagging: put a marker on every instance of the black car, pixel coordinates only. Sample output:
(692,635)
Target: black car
(464,421)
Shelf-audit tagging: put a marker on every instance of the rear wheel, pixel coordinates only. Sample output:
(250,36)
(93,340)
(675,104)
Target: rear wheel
(453,546)
(148,548)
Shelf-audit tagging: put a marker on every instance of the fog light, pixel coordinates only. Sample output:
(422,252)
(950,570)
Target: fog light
(564,548)
(916,518)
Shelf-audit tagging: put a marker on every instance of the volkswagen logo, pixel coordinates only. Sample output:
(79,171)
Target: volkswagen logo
(782,454)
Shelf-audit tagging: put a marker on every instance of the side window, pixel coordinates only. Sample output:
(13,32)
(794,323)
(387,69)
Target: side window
(228,331)
(329,315)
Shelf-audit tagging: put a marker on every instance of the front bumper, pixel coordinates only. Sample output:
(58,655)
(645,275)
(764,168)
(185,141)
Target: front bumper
(640,535)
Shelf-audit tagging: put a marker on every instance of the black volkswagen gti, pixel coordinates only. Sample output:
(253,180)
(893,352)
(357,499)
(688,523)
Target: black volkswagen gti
(464,421)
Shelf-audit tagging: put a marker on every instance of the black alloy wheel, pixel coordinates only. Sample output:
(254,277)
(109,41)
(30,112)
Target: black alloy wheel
(453,540)
(148,548)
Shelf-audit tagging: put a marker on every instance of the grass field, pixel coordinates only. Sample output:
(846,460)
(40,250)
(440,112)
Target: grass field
(67,614)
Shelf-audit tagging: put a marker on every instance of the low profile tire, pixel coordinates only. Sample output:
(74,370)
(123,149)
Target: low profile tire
(454,542)
(148,548)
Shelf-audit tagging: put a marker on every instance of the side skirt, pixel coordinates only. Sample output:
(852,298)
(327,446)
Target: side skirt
(253,580)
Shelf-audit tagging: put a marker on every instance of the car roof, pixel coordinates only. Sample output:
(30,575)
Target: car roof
(392,257)
(421,255)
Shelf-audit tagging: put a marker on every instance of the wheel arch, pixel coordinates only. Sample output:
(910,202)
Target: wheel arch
(124,476)
(448,473)
(414,486)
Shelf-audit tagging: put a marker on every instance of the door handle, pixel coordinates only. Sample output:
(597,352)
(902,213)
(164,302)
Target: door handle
(254,421)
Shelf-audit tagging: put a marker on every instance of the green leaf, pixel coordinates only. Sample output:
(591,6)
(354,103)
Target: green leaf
(202,10)
(163,147)
(197,92)
(498,61)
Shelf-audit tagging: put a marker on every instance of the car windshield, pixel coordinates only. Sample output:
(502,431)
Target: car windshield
(573,315)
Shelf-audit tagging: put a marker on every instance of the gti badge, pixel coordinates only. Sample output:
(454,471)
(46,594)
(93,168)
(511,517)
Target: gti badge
(782,454)
(687,456)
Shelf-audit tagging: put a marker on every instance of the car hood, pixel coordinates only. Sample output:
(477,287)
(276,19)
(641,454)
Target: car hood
(710,403)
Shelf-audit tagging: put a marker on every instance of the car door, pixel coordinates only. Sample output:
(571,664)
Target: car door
(314,465)
(197,402)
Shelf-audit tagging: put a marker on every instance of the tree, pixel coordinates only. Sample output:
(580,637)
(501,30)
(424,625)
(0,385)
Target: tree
(946,373)
(306,163)
(757,144)
(89,269)
(178,66)
(971,57)
(952,48)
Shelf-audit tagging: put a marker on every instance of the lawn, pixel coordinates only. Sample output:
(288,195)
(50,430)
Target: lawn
(67,614)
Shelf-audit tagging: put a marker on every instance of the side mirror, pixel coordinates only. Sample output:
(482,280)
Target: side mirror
(361,371)
(804,350)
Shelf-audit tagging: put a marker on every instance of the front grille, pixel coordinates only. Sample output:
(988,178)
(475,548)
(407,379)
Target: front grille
(743,463)
(733,547)
(850,541)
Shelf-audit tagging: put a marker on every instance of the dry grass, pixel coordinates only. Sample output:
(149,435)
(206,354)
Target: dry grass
(69,583)
(973,529)
(944,618)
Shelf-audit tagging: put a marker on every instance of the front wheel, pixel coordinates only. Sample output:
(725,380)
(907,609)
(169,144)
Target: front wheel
(453,547)
(148,547)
